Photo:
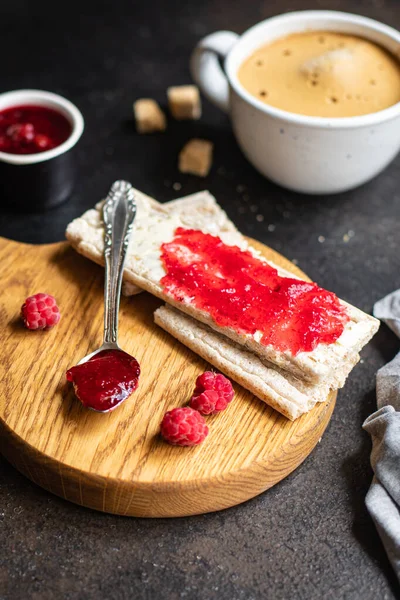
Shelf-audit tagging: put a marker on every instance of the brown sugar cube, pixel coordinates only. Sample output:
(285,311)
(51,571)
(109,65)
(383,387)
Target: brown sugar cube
(184,102)
(196,157)
(148,116)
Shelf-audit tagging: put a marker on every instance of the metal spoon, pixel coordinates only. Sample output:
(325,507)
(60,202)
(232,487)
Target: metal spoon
(119,212)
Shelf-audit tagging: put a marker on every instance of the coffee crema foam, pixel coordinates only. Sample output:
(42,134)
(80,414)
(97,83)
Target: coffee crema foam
(323,74)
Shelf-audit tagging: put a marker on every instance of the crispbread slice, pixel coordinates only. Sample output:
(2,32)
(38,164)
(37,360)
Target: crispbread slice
(285,393)
(86,233)
(326,364)
(190,208)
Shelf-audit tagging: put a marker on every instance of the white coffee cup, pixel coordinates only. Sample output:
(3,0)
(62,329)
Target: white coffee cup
(314,155)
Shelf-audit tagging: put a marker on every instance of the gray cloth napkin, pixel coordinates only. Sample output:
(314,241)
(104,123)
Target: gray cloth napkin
(383,498)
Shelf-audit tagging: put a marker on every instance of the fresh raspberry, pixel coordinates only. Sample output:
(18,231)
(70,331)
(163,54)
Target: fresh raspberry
(183,427)
(212,393)
(40,311)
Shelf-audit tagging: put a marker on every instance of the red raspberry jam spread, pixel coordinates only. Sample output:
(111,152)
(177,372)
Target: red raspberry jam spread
(245,293)
(32,129)
(105,380)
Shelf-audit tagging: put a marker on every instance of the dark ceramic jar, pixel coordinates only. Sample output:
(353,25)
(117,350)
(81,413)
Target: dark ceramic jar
(41,179)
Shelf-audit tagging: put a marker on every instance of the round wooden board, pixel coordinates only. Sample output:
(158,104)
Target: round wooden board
(116,462)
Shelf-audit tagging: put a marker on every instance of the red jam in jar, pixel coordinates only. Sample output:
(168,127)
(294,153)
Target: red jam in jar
(32,129)
(245,293)
(105,380)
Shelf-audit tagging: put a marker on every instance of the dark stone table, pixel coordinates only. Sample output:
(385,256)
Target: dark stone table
(310,537)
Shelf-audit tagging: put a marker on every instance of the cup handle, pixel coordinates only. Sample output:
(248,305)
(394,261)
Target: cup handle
(206,70)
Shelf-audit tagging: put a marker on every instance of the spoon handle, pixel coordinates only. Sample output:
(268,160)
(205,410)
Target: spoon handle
(119,212)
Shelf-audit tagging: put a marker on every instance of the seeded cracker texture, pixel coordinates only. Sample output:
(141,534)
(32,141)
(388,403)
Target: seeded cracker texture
(325,365)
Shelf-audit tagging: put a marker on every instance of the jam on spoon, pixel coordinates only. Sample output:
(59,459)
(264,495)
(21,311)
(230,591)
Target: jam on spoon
(30,129)
(105,378)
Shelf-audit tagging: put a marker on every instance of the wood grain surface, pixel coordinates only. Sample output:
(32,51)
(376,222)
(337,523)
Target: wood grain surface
(116,462)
